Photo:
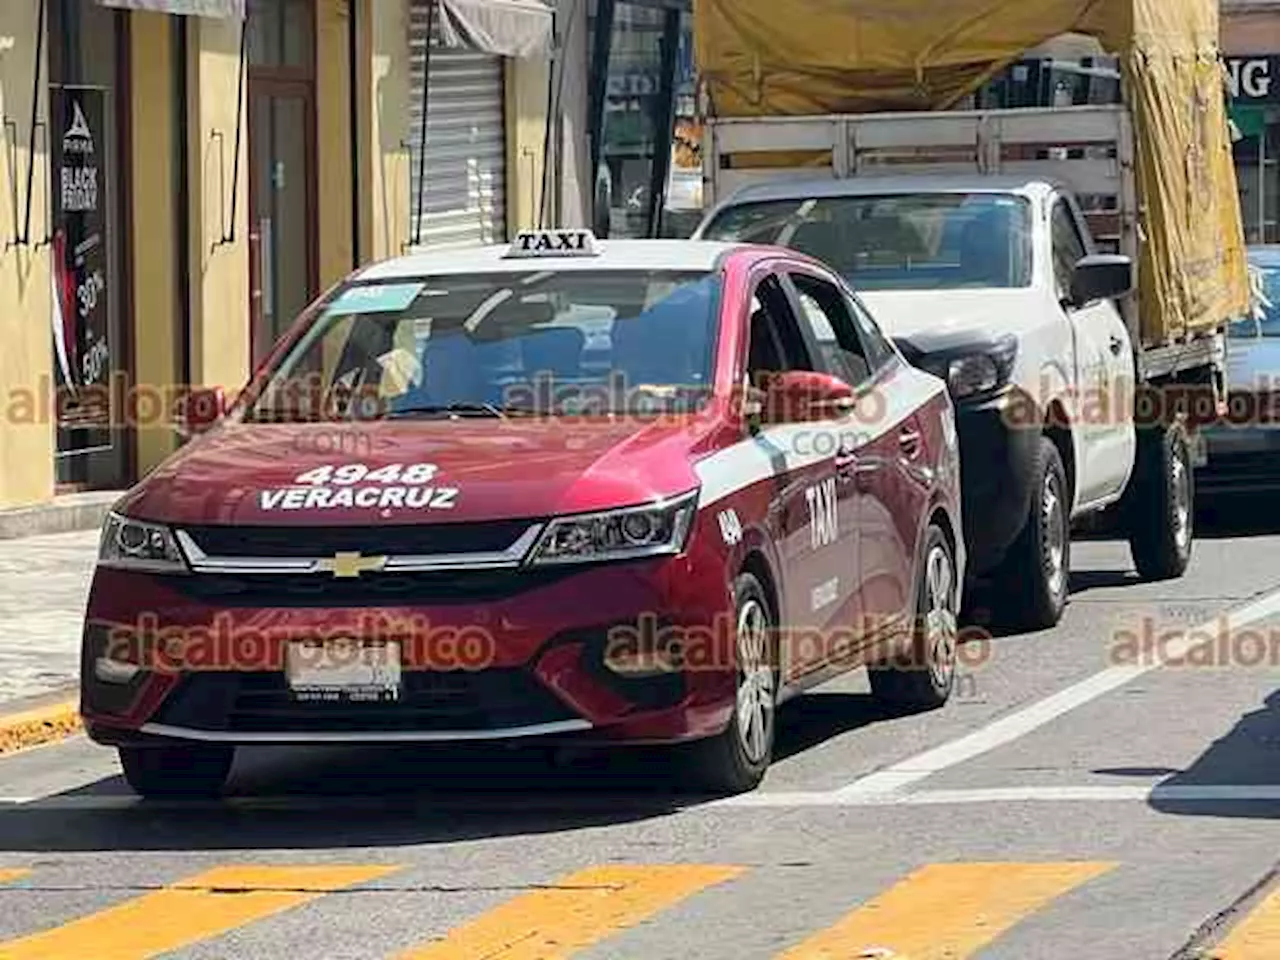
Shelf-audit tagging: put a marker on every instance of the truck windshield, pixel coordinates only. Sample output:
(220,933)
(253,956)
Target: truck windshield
(1266,293)
(916,241)
(491,345)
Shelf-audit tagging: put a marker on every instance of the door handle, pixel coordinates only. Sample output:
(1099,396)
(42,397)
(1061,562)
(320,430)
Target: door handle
(909,441)
(1116,345)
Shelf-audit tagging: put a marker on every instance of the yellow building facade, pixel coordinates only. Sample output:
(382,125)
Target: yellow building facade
(177,187)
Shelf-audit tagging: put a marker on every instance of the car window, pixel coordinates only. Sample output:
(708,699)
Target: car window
(1068,245)
(1264,321)
(775,341)
(827,314)
(554,342)
(879,351)
(910,241)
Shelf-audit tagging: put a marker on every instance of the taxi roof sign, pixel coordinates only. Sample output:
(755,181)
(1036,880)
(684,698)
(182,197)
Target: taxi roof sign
(554,243)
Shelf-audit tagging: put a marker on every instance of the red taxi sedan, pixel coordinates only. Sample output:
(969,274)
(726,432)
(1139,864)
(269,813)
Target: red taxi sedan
(561,492)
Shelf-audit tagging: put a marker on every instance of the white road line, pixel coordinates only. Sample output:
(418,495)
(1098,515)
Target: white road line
(981,796)
(901,775)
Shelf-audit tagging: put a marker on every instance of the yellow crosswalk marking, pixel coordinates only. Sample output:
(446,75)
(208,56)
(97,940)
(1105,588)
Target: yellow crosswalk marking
(10,874)
(580,910)
(945,911)
(203,906)
(1256,937)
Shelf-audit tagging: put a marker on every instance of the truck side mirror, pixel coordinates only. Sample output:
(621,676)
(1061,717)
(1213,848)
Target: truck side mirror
(1103,276)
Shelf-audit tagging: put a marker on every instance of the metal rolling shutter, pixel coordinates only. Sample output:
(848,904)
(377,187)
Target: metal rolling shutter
(466,155)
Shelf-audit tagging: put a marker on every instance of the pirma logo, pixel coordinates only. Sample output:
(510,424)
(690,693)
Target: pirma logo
(78,138)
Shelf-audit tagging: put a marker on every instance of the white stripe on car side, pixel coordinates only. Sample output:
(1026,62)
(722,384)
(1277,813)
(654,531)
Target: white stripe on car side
(785,448)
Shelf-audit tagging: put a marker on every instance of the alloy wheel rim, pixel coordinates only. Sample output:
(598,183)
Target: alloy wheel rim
(1055,534)
(1181,502)
(755,698)
(941,622)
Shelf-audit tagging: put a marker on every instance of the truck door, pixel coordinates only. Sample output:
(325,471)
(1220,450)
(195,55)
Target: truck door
(1104,370)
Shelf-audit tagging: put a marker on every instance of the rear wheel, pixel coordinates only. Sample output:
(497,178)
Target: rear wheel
(735,760)
(1160,503)
(926,682)
(1033,581)
(196,770)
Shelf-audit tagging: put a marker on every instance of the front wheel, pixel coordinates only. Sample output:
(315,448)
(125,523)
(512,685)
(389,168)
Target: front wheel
(1160,503)
(735,760)
(196,770)
(1035,576)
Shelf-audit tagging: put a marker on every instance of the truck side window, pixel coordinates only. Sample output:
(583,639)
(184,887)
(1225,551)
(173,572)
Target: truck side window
(1068,245)
(833,329)
(775,340)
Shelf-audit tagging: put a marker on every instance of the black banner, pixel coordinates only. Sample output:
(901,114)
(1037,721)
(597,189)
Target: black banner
(1254,79)
(82,350)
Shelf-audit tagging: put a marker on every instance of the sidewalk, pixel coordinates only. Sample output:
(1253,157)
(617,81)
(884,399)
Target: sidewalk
(44,584)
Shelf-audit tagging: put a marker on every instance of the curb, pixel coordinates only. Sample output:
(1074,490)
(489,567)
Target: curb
(63,514)
(45,720)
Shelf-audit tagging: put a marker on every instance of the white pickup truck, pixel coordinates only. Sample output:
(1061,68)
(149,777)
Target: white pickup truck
(986,264)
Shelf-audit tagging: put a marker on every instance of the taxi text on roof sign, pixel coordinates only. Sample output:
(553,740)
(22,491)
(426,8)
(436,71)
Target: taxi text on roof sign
(554,243)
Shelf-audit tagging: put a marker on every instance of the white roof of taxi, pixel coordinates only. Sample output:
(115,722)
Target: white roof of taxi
(694,255)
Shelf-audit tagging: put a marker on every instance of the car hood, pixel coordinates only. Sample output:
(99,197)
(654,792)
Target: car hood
(940,319)
(1253,365)
(484,470)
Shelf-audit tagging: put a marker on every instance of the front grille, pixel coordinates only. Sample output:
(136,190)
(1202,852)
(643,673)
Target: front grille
(412,539)
(429,702)
(368,590)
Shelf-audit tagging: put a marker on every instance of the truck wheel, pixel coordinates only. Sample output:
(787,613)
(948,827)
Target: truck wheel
(1161,503)
(1034,579)
(926,682)
(198,770)
(735,760)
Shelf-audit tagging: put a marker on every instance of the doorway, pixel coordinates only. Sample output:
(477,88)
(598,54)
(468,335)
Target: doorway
(282,168)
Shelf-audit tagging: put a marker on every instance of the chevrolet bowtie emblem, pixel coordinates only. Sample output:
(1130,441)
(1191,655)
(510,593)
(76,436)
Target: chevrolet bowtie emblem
(351,564)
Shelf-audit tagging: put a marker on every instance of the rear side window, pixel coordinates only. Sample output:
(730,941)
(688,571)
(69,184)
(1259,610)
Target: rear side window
(915,241)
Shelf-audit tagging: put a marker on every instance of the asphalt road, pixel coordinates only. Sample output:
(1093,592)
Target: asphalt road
(1069,803)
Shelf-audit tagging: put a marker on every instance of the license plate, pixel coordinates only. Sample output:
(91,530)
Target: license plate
(344,670)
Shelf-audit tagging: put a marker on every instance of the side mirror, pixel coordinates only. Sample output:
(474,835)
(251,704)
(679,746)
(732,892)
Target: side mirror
(200,410)
(1103,276)
(801,396)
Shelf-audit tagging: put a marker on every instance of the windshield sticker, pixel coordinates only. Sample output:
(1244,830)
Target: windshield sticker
(396,486)
(375,298)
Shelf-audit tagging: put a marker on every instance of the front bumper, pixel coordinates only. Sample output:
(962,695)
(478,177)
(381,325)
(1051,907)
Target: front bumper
(518,656)
(997,452)
(1241,460)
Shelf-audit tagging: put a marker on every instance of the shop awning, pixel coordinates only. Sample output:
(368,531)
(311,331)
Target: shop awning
(195,8)
(506,28)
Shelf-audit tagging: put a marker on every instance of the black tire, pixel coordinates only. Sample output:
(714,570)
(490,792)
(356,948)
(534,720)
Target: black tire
(198,770)
(927,678)
(734,761)
(1160,503)
(1034,579)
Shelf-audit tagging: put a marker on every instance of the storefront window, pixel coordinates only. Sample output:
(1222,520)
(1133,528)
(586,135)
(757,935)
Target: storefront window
(89,348)
(1257,156)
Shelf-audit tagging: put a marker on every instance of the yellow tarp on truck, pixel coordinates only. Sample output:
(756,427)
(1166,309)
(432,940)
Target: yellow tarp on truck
(761,58)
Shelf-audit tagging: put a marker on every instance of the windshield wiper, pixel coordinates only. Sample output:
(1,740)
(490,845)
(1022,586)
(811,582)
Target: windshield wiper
(471,409)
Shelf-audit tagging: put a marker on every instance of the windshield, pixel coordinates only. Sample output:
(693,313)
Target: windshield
(922,241)
(571,342)
(1265,322)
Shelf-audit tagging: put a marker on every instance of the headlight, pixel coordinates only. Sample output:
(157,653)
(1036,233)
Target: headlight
(975,373)
(136,545)
(645,531)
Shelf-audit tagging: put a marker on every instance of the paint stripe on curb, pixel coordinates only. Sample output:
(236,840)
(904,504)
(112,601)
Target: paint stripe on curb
(40,725)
